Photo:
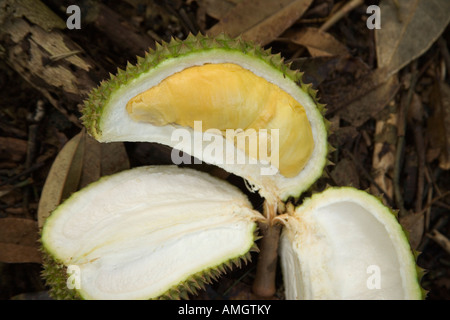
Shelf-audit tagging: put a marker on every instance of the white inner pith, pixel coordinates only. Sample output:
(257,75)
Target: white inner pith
(347,248)
(145,234)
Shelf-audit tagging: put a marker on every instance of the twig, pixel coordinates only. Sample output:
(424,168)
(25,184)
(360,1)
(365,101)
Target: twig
(420,148)
(440,239)
(17,185)
(34,167)
(341,13)
(445,54)
(264,284)
(430,203)
(401,130)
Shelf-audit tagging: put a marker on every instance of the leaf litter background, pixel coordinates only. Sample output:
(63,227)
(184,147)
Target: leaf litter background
(387,93)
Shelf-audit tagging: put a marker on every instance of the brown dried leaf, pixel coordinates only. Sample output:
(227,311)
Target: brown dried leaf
(318,42)
(16,253)
(102,159)
(383,158)
(82,161)
(114,158)
(345,173)
(19,241)
(260,20)
(439,124)
(409,30)
(91,170)
(367,100)
(218,8)
(414,224)
(12,149)
(63,178)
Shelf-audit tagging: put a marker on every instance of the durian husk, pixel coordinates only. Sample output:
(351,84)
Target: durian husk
(273,189)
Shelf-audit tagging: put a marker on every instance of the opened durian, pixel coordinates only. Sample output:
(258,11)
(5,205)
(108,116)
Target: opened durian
(164,231)
(149,232)
(224,85)
(343,243)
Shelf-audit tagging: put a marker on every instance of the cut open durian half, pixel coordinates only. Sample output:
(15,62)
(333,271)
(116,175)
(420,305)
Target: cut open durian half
(227,86)
(346,244)
(147,233)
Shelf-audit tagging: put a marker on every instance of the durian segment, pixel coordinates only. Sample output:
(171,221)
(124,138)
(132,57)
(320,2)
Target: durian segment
(106,118)
(344,243)
(144,232)
(226,96)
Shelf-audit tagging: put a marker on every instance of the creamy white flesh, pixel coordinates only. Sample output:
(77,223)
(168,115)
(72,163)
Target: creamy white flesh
(138,233)
(117,125)
(344,244)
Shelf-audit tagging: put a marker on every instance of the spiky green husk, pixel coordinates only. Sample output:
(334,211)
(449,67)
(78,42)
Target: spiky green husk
(97,107)
(56,277)
(98,98)
(198,281)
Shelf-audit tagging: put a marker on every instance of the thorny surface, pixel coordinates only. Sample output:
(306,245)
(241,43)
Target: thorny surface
(391,137)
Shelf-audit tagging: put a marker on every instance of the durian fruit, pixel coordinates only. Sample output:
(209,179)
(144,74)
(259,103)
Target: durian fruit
(343,243)
(147,233)
(224,86)
(163,231)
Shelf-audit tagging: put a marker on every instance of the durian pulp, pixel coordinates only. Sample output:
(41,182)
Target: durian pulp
(226,96)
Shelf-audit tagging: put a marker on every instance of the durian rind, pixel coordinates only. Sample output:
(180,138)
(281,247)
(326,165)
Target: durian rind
(57,257)
(107,124)
(55,275)
(301,226)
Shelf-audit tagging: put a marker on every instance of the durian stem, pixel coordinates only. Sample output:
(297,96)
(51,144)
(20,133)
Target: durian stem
(264,284)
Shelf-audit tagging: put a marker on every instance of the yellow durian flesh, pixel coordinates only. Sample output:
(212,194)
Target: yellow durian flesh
(227,96)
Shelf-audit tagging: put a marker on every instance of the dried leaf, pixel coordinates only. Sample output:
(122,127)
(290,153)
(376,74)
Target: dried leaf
(19,241)
(383,158)
(318,43)
(340,79)
(63,178)
(91,170)
(82,161)
(12,149)
(414,224)
(407,31)
(371,102)
(16,253)
(102,159)
(316,69)
(260,20)
(218,8)
(345,173)
(439,124)
(114,158)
